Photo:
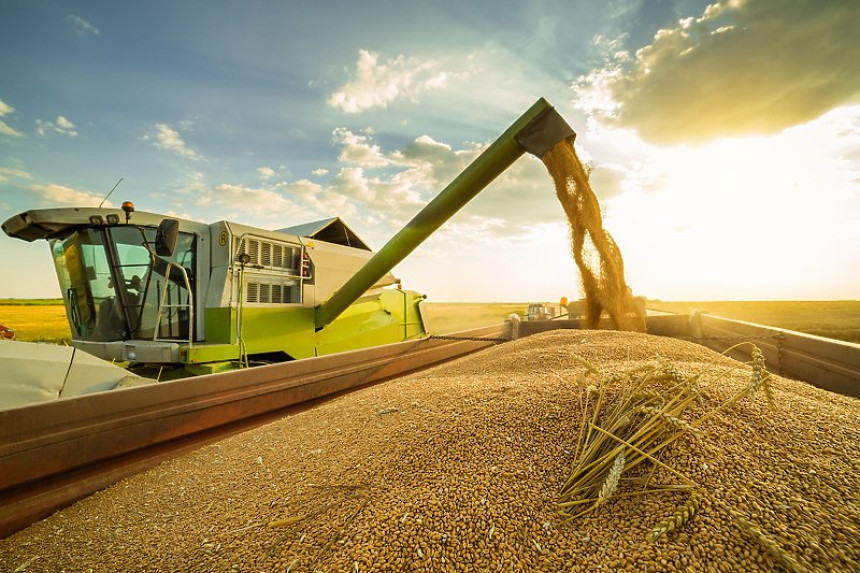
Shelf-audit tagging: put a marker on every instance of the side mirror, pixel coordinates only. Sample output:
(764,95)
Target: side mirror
(165,238)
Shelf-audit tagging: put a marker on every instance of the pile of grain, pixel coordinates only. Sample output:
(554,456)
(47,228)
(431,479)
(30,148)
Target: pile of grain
(595,252)
(458,468)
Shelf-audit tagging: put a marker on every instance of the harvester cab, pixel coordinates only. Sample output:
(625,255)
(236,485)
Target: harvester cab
(158,290)
(147,289)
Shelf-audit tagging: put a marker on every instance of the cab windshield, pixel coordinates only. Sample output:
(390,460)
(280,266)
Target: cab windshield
(113,282)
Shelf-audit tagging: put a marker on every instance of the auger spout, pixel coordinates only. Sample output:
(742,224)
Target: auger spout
(537,131)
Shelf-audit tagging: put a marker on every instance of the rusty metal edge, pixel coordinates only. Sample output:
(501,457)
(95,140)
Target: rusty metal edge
(832,365)
(52,454)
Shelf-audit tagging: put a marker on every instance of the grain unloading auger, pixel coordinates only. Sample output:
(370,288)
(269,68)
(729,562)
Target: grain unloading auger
(536,131)
(147,289)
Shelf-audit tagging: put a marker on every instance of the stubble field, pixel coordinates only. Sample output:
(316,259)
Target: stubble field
(839,319)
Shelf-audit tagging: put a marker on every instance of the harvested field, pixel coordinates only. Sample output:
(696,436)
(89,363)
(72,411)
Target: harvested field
(36,322)
(459,468)
(447,317)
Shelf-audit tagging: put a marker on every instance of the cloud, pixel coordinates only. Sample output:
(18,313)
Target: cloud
(608,180)
(320,172)
(396,185)
(266,172)
(272,205)
(10,172)
(357,149)
(61,195)
(194,185)
(63,123)
(351,183)
(62,126)
(379,190)
(743,67)
(5,129)
(377,84)
(444,161)
(264,203)
(82,27)
(426,149)
(802,217)
(169,139)
(437,161)
(337,199)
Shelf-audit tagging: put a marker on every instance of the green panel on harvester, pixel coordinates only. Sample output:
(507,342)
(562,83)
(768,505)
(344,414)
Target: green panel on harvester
(272,329)
(219,326)
(372,322)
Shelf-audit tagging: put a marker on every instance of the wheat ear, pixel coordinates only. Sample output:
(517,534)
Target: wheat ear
(768,392)
(611,483)
(759,372)
(672,420)
(583,362)
(672,372)
(770,546)
(676,521)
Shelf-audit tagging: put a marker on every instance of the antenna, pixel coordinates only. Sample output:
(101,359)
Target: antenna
(109,194)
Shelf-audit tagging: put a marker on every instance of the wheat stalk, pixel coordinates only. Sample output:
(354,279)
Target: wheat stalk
(646,455)
(635,421)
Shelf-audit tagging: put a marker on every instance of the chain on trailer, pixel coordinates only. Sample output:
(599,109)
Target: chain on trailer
(468,338)
(777,340)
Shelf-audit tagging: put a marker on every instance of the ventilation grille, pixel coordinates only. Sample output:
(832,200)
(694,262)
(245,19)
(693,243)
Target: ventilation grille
(269,254)
(271,293)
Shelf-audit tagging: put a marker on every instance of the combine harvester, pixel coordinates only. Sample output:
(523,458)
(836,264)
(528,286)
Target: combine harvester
(179,298)
(147,289)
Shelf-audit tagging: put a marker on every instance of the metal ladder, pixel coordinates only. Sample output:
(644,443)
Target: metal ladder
(189,304)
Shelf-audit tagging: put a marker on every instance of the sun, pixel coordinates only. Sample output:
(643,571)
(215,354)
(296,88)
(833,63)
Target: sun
(753,217)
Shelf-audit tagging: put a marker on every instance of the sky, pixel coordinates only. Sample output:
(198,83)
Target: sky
(723,138)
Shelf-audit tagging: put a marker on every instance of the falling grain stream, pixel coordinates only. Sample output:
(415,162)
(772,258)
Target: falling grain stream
(597,256)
